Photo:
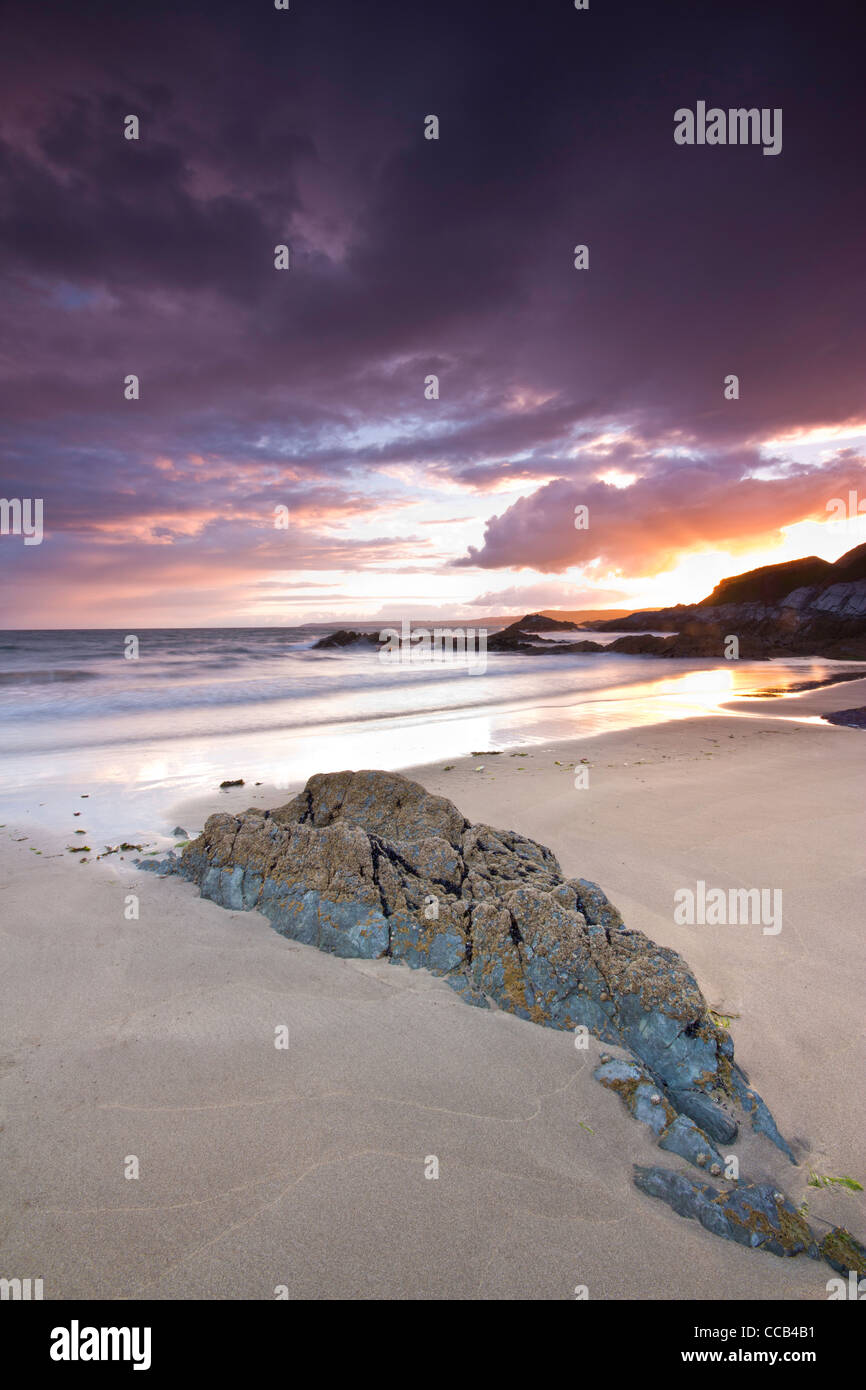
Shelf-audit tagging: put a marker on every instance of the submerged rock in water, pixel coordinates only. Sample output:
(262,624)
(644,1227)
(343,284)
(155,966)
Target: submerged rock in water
(344,637)
(370,864)
(754,1214)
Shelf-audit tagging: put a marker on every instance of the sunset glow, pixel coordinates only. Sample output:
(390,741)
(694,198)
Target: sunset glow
(432,387)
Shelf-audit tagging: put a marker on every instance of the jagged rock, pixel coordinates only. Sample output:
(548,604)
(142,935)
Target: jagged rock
(170,864)
(850,718)
(708,642)
(370,864)
(685,1138)
(754,1214)
(515,640)
(757,1110)
(641,644)
(651,1105)
(593,903)
(521,636)
(842,1252)
(347,638)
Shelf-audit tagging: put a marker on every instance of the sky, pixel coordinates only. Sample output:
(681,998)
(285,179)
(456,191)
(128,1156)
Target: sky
(283,462)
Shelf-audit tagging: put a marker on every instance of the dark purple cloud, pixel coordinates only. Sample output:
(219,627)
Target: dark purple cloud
(414,256)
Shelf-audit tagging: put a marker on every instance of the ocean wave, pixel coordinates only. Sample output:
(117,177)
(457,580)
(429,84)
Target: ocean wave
(45,677)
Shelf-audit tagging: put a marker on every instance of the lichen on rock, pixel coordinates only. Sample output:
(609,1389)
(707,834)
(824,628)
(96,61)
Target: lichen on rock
(371,864)
(843,1252)
(753,1214)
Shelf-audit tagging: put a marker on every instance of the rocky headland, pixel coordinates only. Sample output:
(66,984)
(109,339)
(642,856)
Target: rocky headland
(802,608)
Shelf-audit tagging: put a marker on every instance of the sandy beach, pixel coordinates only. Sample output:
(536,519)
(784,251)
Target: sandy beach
(303,1169)
(433,438)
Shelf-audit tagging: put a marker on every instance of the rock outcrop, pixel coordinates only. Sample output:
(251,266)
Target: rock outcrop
(369,864)
(540,622)
(802,607)
(848,718)
(345,637)
(843,1252)
(754,1214)
(517,637)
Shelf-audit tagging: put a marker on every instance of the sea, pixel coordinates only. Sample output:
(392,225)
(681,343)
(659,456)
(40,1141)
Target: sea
(136,728)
